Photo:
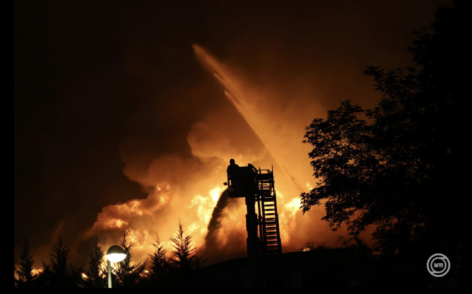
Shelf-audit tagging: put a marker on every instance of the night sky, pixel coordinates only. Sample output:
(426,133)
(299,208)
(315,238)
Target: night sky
(112,102)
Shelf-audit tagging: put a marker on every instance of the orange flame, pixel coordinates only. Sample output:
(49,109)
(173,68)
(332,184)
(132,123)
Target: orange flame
(269,133)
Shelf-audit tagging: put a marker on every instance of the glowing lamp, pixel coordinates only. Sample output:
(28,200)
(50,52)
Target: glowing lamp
(114,254)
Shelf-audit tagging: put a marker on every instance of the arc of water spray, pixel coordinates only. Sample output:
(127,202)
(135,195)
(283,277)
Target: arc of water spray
(232,92)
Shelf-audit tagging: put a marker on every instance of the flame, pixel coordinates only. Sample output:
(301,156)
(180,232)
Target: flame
(187,189)
(37,271)
(144,273)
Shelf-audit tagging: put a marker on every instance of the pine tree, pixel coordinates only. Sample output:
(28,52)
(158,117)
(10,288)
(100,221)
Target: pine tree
(159,266)
(97,272)
(60,274)
(129,275)
(43,279)
(184,252)
(185,261)
(25,270)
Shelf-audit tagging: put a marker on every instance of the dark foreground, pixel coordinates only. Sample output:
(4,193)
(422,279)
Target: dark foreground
(343,267)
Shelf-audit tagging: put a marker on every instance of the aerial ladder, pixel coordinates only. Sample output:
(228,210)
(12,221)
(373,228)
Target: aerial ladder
(257,187)
(268,220)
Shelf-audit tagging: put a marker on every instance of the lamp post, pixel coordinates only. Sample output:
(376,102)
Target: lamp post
(114,254)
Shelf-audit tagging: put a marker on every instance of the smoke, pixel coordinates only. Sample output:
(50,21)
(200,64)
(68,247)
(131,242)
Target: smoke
(279,122)
(117,127)
(261,127)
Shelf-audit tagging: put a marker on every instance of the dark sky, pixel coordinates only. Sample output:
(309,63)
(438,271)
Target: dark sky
(97,82)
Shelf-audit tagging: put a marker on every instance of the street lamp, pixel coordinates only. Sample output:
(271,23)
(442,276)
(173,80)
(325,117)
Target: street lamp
(114,254)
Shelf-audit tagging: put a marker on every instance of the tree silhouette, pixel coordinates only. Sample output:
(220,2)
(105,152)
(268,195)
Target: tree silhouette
(128,274)
(97,272)
(43,280)
(394,165)
(183,250)
(159,266)
(60,273)
(25,269)
(185,262)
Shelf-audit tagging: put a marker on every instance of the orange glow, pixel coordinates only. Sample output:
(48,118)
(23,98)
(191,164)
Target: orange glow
(187,189)
(37,271)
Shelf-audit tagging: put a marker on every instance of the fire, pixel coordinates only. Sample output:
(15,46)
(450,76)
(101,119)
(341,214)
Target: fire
(187,189)
(144,273)
(293,206)
(37,271)
(136,211)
